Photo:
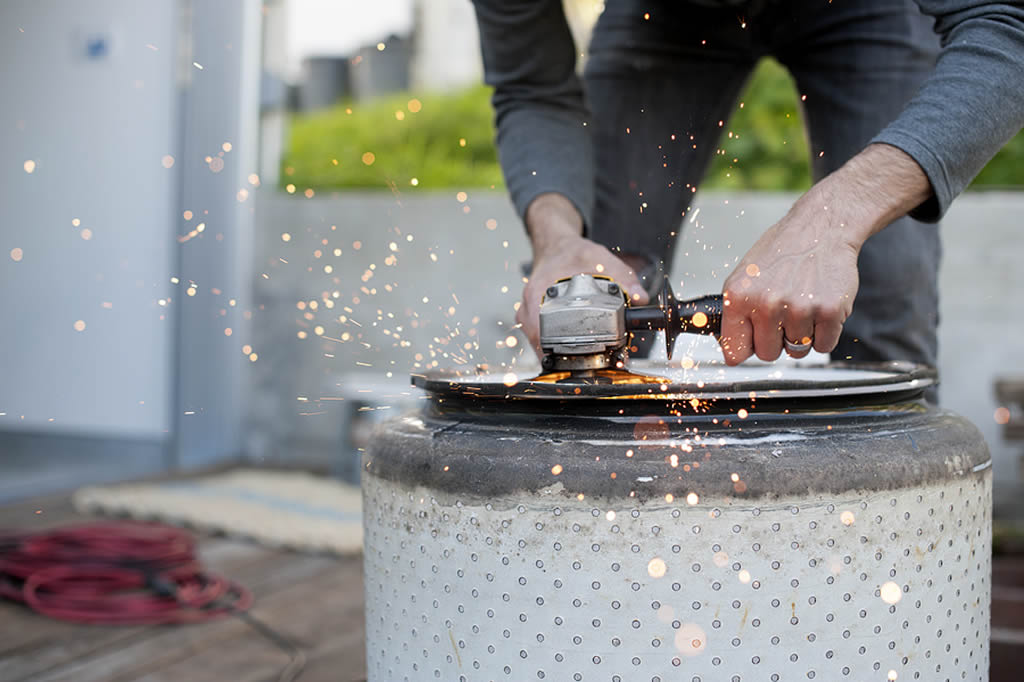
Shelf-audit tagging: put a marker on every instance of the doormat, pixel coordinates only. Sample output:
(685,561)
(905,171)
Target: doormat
(280,509)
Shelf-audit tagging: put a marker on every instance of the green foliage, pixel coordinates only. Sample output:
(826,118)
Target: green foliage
(768,150)
(1006,169)
(327,148)
(768,147)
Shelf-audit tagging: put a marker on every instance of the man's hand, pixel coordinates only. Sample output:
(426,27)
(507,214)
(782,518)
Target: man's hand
(799,281)
(560,250)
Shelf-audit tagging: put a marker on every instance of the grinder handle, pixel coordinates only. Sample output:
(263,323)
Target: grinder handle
(694,316)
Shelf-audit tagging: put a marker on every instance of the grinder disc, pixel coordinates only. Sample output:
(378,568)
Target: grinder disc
(705,382)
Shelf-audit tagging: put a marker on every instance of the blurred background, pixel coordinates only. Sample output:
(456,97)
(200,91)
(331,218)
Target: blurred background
(232,229)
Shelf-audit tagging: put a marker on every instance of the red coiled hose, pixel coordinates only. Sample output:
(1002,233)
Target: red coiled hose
(115,573)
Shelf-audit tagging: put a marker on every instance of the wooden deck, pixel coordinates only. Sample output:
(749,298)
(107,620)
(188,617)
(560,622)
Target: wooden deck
(317,602)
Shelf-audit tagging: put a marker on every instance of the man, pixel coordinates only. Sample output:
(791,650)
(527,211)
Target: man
(905,103)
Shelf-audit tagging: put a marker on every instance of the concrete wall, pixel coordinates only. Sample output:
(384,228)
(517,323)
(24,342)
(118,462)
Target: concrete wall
(476,275)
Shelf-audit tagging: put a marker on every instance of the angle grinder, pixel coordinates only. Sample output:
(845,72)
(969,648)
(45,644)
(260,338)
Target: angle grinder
(587,323)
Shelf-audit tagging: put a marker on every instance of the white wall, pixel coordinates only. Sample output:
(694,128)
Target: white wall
(97,130)
(447,46)
(340,27)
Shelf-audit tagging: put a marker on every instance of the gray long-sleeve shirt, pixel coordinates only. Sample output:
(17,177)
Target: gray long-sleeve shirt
(967,109)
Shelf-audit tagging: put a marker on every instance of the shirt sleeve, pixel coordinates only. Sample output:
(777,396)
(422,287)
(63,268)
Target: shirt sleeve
(973,102)
(540,113)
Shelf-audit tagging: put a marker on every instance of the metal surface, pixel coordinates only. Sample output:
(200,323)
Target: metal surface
(696,316)
(856,587)
(583,323)
(708,382)
(743,539)
(586,322)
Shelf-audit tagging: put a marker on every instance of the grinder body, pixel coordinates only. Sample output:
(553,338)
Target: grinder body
(586,322)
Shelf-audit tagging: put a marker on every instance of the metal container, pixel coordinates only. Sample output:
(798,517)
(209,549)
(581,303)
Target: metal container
(737,525)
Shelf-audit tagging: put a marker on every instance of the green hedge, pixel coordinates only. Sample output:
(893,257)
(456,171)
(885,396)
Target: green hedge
(446,141)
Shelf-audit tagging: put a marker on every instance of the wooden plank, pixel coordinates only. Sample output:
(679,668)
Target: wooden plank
(168,646)
(33,647)
(1008,571)
(55,644)
(38,514)
(20,627)
(1010,390)
(1014,429)
(49,642)
(343,659)
(340,657)
(329,623)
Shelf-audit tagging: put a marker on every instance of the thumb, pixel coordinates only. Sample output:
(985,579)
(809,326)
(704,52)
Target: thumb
(628,280)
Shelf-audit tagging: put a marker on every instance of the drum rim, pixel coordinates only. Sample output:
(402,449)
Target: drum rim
(906,378)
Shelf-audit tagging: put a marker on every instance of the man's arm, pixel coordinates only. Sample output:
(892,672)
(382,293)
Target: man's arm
(971,105)
(800,278)
(544,145)
(543,142)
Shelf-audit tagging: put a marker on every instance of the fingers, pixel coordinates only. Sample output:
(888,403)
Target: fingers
(819,324)
(627,279)
(737,338)
(759,323)
(827,328)
(528,318)
(798,327)
(767,329)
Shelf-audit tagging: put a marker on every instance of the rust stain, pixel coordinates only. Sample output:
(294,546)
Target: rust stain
(455,649)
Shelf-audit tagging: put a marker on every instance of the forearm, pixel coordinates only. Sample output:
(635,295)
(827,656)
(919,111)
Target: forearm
(874,188)
(543,141)
(546,151)
(551,219)
(972,103)
(800,279)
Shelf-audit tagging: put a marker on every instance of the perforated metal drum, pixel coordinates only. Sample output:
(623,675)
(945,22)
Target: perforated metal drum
(705,525)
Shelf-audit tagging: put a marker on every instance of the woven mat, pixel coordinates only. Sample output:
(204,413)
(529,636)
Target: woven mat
(287,510)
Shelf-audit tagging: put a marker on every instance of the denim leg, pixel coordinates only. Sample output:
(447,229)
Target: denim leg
(657,95)
(858,63)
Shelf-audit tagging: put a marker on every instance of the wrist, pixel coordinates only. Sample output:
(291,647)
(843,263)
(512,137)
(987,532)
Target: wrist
(551,220)
(874,188)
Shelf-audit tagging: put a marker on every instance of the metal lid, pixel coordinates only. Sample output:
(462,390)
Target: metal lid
(706,382)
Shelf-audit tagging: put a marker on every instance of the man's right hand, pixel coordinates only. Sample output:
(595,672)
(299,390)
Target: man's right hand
(559,251)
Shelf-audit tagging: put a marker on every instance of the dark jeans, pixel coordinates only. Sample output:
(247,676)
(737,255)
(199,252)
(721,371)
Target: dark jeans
(652,84)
